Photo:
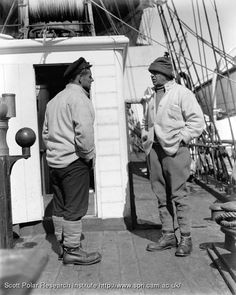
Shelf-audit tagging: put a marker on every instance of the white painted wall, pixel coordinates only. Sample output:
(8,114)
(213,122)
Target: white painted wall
(26,195)
(107,55)
(137,77)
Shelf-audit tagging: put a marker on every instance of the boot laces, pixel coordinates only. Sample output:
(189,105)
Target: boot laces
(166,236)
(184,241)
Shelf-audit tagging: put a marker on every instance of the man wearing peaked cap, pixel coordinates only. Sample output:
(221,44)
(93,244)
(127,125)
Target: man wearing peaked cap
(68,134)
(172,118)
(76,67)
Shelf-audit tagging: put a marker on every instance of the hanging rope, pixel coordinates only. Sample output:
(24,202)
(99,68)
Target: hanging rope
(216,49)
(224,98)
(222,43)
(109,18)
(167,36)
(202,88)
(186,65)
(155,41)
(8,16)
(102,21)
(195,70)
(203,48)
(198,41)
(171,43)
(118,11)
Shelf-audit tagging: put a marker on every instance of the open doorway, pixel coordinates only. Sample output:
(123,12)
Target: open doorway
(49,81)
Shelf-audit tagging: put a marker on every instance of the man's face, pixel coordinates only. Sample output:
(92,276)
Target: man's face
(158,79)
(86,80)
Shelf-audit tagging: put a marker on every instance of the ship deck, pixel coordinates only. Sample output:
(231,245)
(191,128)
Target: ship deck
(126,267)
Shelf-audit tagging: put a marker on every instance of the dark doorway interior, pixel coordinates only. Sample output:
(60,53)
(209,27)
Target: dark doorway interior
(49,81)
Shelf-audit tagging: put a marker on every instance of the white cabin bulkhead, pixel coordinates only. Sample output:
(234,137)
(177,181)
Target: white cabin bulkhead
(33,69)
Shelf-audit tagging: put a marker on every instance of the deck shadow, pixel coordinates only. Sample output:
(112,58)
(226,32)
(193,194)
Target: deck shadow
(151,234)
(206,245)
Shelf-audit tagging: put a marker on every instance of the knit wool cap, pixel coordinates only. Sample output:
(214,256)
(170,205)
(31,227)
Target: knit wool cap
(76,67)
(162,65)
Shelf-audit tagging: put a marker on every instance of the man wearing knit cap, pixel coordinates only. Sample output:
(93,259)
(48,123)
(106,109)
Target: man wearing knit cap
(172,118)
(68,134)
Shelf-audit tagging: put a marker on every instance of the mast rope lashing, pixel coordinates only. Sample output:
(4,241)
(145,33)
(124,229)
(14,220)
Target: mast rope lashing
(182,76)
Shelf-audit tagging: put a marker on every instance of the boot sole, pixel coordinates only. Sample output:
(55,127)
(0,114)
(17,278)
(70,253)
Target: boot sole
(165,248)
(83,263)
(182,255)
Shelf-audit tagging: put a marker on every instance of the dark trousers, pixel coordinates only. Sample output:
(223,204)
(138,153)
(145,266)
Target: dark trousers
(168,175)
(71,190)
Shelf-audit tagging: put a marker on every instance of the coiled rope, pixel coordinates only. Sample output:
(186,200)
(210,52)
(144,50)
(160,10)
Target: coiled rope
(227,219)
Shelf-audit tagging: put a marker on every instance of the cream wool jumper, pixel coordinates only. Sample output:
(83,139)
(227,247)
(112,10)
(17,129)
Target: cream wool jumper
(68,131)
(177,117)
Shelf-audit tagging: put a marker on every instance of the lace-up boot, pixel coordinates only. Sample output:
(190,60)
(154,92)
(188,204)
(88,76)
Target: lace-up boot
(185,246)
(73,252)
(79,256)
(166,241)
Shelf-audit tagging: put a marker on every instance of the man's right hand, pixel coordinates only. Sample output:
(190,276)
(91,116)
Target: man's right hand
(147,95)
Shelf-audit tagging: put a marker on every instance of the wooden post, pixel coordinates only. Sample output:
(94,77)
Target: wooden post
(132,196)
(88,6)
(23,13)
(6,233)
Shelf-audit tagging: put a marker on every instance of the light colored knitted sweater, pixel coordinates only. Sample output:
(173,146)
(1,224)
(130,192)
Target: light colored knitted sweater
(68,130)
(177,118)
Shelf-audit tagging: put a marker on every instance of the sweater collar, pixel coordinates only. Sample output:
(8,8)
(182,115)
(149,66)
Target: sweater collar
(77,87)
(166,87)
(169,85)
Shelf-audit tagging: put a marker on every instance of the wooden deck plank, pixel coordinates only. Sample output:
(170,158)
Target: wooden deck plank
(148,266)
(197,274)
(129,267)
(20,269)
(167,274)
(89,275)
(126,261)
(109,272)
(144,201)
(53,267)
(73,276)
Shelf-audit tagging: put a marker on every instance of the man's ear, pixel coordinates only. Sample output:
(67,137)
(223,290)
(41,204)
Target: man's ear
(78,79)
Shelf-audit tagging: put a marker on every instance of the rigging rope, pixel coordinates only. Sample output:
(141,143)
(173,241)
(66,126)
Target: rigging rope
(8,16)
(155,41)
(226,107)
(109,18)
(199,50)
(104,25)
(203,47)
(209,112)
(167,36)
(118,10)
(200,57)
(219,51)
(226,64)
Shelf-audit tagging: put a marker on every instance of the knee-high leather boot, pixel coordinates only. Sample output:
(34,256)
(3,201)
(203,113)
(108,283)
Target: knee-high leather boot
(73,252)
